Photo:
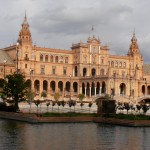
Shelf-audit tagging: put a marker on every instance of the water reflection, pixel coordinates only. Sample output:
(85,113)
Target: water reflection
(75,136)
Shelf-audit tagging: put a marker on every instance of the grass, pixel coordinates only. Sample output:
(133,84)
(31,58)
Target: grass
(69,114)
(127,116)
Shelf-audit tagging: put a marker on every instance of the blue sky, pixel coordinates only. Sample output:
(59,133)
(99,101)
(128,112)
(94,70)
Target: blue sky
(59,23)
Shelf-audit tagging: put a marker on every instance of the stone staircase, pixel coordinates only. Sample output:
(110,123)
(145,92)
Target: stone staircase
(123,98)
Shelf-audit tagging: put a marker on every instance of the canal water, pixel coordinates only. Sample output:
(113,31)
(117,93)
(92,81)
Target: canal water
(15,135)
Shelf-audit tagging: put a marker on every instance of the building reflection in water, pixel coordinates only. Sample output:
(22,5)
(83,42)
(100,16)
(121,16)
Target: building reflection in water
(74,136)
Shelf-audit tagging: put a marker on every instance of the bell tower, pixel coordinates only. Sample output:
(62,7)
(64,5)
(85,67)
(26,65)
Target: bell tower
(134,49)
(25,34)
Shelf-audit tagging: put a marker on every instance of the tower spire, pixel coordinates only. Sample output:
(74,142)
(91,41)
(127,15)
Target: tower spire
(134,45)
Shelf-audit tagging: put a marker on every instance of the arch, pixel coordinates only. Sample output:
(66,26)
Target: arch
(98,88)
(37,86)
(45,85)
(148,90)
(53,86)
(88,89)
(84,72)
(41,57)
(143,89)
(68,86)
(29,83)
(46,58)
(123,89)
(1,83)
(93,89)
(93,71)
(102,72)
(75,87)
(76,71)
(83,88)
(103,88)
(60,86)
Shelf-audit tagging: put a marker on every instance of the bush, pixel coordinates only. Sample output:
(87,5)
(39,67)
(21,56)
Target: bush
(4,107)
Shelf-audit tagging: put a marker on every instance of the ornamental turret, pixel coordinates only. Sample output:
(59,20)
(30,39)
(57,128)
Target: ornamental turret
(25,34)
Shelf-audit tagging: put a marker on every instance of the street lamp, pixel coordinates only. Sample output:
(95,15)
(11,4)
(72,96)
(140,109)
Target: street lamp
(17,44)
(130,86)
(114,77)
(30,96)
(4,61)
(70,86)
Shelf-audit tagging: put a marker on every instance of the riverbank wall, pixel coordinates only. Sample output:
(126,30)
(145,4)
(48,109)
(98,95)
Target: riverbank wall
(33,118)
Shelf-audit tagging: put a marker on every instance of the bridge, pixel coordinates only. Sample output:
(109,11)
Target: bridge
(125,98)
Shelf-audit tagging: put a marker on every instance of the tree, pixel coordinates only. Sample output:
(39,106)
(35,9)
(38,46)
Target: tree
(56,96)
(15,89)
(44,94)
(81,96)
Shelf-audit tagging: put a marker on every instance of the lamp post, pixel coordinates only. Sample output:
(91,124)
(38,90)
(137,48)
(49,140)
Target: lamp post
(30,96)
(130,87)
(114,76)
(17,44)
(4,66)
(70,86)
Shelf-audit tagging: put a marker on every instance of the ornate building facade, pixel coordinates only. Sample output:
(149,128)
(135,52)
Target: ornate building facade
(87,68)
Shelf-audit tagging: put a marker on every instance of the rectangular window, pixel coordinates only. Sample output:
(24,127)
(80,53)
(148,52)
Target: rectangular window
(42,70)
(26,66)
(53,70)
(65,71)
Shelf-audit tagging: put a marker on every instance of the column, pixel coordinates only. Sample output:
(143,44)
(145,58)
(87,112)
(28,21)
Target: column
(90,91)
(100,92)
(95,91)
(85,91)
(41,87)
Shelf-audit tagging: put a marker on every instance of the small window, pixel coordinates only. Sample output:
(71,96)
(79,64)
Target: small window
(53,70)
(64,71)
(26,66)
(42,70)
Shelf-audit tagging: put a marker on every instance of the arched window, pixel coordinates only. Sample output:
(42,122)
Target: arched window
(66,59)
(93,72)
(124,65)
(46,58)
(116,64)
(112,64)
(41,57)
(56,59)
(51,59)
(120,64)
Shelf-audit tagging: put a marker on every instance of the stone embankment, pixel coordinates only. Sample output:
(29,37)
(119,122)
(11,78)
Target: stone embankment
(32,118)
